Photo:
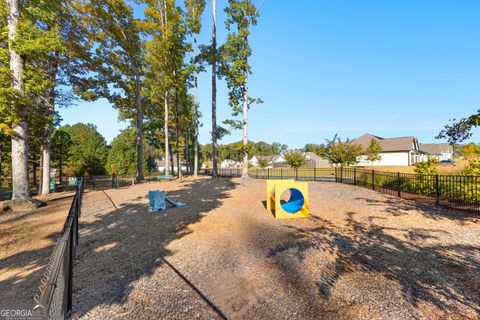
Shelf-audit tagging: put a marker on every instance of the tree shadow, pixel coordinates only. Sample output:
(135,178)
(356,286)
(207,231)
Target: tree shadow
(22,271)
(446,276)
(400,206)
(22,285)
(120,246)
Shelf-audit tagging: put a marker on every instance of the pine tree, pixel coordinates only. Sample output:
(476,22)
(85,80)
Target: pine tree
(194,13)
(119,62)
(241,16)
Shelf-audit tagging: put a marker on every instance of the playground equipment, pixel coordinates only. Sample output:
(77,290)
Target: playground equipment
(158,200)
(297,204)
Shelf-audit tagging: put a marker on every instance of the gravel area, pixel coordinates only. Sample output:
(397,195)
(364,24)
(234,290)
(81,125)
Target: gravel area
(26,243)
(360,255)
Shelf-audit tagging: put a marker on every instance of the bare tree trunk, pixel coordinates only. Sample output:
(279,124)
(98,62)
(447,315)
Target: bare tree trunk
(40,185)
(195,142)
(214,88)
(34,172)
(171,160)
(187,155)
(45,167)
(177,138)
(245,133)
(165,128)
(21,188)
(140,175)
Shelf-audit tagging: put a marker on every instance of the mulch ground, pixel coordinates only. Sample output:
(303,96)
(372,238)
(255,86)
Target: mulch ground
(26,242)
(360,255)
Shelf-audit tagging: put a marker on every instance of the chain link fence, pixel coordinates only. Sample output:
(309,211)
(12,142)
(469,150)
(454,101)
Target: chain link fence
(55,291)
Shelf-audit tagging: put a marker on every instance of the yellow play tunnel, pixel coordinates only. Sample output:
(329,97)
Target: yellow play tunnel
(297,204)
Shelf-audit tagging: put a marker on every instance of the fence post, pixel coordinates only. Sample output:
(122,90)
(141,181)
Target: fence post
(437,191)
(336,179)
(256,173)
(281,173)
(314,174)
(354,176)
(373,179)
(268,173)
(341,174)
(296,173)
(399,186)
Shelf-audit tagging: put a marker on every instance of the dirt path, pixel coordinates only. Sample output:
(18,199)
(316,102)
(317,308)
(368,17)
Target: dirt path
(26,242)
(360,255)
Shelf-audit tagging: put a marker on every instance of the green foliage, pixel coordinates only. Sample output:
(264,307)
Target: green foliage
(234,54)
(264,161)
(428,167)
(473,168)
(88,150)
(373,151)
(122,157)
(295,159)
(315,148)
(459,131)
(342,153)
(234,151)
(61,147)
(470,151)
(194,13)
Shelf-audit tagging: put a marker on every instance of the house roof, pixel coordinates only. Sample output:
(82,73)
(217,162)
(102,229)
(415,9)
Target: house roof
(387,144)
(436,148)
(312,156)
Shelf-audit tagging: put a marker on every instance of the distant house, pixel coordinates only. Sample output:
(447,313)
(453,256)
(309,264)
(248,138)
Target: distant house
(272,160)
(228,163)
(441,151)
(402,151)
(312,160)
(315,161)
(160,164)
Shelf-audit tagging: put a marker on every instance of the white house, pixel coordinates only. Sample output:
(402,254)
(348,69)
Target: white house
(271,160)
(441,151)
(402,151)
(228,163)
(160,164)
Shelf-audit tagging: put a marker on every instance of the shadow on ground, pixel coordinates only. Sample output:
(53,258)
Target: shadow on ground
(22,271)
(399,206)
(124,245)
(446,276)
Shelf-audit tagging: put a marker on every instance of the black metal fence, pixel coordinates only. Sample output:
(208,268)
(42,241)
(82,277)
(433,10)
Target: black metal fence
(453,191)
(55,296)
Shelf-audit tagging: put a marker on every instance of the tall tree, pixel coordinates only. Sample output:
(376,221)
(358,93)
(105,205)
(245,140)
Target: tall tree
(21,188)
(167,75)
(30,43)
(194,13)
(67,66)
(214,88)
(241,16)
(119,59)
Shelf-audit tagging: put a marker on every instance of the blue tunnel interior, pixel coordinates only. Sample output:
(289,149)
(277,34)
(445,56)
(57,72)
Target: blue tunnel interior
(295,202)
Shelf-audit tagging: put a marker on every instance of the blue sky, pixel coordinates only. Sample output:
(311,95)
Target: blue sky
(390,68)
